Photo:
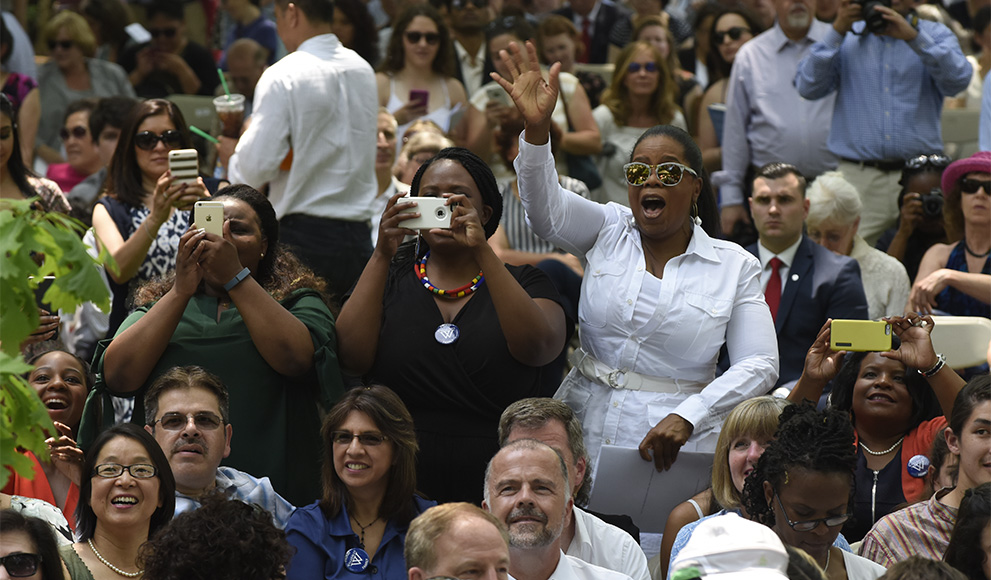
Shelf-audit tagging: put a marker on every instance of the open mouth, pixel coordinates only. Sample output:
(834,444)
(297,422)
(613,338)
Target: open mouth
(56,404)
(124,500)
(880,397)
(355,466)
(652,206)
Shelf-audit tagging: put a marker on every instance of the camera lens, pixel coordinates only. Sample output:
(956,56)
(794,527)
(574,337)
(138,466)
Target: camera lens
(873,19)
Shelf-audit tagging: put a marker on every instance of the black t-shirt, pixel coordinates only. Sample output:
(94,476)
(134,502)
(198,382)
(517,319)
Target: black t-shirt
(160,84)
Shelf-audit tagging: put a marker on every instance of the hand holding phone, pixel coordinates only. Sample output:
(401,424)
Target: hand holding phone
(209,215)
(434,213)
(184,165)
(860,335)
(419,98)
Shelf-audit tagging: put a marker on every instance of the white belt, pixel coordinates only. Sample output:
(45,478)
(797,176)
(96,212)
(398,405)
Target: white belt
(595,370)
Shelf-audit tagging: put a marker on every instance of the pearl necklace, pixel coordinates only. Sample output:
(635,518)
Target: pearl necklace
(886,451)
(111,566)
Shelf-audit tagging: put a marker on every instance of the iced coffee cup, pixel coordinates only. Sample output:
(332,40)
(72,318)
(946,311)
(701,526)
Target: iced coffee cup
(230,109)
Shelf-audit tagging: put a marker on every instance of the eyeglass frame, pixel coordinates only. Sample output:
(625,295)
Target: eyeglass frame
(415,36)
(981,183)
(37,558)
(123,468)
(720,37)
(171,134)
(815,523)
(635,67)
(462,4)
(653,168)
(63,44)
(78,132)
(335,435)
(187,417)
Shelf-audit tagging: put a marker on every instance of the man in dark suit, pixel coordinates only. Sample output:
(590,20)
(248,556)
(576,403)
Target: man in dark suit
(804,283)
(600,23)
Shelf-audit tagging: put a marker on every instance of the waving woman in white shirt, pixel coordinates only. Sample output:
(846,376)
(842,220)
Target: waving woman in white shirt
(660,297)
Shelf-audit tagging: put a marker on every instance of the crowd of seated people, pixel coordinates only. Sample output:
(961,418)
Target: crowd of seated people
(449,296)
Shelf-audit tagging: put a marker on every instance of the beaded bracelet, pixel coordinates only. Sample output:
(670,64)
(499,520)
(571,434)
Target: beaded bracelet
(940,361)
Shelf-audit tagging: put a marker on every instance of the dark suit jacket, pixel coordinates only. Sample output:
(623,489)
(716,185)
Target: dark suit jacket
(820,285)
(613,25)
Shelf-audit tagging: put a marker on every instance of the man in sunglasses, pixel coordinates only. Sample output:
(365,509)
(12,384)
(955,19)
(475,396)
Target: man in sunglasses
(170,63)
(761,88)
(310,139)
(81,153)
(468,19)
(890,78)
(186,410)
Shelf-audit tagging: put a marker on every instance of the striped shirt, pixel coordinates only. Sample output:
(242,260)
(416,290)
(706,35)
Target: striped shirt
(921,529)
(518,231)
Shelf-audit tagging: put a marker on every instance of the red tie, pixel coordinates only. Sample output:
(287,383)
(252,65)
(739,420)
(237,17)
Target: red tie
(586,40)
(773,292)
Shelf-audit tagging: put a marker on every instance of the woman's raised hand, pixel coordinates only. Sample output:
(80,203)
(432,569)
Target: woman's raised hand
(916,349)
(218,258)
(821,362)
(391,230)
(168,195)
(534,97)
(466,226)
(66,455)
(188,272)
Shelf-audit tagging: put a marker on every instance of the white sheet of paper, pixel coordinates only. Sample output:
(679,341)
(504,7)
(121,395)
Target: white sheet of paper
(626,484)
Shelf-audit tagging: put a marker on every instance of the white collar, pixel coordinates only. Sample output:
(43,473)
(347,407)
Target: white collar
(787,256)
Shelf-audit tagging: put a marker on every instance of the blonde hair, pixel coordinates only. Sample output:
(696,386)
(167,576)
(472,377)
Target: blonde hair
(428,527)
(756,417)
(78,29)
(649,20)
(832,198)
(616,97)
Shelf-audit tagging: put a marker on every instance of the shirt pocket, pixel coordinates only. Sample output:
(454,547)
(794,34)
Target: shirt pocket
(701,328)
(602,292)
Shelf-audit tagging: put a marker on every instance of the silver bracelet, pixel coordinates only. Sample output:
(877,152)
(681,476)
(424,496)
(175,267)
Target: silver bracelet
(940,362)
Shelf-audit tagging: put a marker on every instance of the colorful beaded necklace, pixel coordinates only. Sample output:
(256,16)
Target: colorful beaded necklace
(421,272)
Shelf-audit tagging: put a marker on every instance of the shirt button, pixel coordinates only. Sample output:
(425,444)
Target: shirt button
(615,403)
(628,301)
(608,442)
(373,569)
(639,268)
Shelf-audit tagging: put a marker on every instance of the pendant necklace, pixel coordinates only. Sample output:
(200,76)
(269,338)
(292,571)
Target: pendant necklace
(356,559)
(446,333)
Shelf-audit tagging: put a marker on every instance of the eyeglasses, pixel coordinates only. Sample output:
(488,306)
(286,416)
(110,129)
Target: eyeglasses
(432,38)
(369,439)
(79,132)
(21,564)
(205,421)
(734,33)
(462,4)
(147,140)
(166,32)
(504,23)
(920,161)
(647,66)
(138,470)
(809,525)
(63,44)
(669,174)
(969,185)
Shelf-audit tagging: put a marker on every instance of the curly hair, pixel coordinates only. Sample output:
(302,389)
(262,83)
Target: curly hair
(820,441)
(395,53)
(965,552)
(616,97)
(925,405)
(224,539)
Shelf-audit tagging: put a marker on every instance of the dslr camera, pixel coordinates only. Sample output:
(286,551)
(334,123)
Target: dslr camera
(932,203)
(873,18)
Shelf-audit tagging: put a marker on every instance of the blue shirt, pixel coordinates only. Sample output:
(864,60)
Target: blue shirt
(321,545)
(889,92)
(249,489)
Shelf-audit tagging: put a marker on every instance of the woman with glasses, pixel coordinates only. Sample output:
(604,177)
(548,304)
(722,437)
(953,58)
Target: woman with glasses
(243,307)
(28,548)
(140,220)
(416,78)
(893,400)
(359,524)
(640,96)
(660,297)
(70,75)
(802,488)
(955,278)
(127,493)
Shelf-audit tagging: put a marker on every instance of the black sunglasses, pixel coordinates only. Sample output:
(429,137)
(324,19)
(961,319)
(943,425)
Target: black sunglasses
(647,66)
(432,38)
(21,564)
(63,44)
(166,32)
(462,4)
(79,132)
(920,161)
(969,185)
(147,140)
(734,33)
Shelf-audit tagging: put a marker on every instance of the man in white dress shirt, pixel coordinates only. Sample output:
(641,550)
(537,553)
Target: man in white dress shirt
(584,536)
(310,139)
(527,488)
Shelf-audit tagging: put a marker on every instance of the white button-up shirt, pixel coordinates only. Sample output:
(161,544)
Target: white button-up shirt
(603,544)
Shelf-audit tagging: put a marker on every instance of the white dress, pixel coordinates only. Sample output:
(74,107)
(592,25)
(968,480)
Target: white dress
(709,296)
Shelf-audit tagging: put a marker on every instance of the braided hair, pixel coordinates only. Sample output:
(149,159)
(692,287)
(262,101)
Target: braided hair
(820,441)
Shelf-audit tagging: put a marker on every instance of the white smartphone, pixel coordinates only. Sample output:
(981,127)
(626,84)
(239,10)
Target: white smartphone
(184,165)
(209,215)
(498,94)
(434,213)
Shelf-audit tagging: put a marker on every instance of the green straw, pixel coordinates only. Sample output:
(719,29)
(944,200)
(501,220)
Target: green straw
(203,134)
(223,81)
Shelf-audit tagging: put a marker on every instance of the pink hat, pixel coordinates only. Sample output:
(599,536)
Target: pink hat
(980,161)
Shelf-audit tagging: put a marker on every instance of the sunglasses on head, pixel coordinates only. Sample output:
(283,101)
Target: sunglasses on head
(669,174)
(147,140)
(432,38)
(79,132)
(647,66)
(462,4)
(920,161)
(166,32)
(63,44)
(734,33)
(20,565)
(968,185)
